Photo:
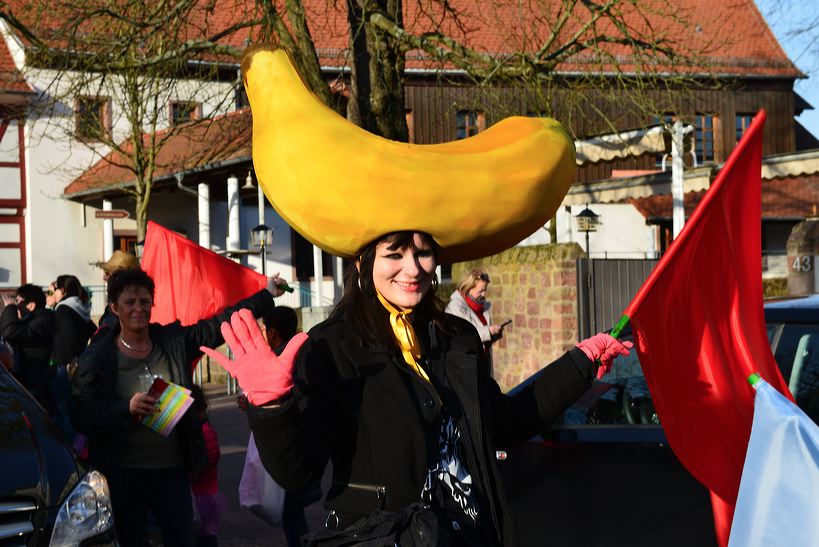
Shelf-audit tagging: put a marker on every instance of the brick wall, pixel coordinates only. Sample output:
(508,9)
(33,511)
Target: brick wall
(535,287)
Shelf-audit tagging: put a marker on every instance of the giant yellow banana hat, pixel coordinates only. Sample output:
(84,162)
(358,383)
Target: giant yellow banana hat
(342,187)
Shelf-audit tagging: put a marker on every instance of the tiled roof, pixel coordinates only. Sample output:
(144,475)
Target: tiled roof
(195,146)
(789,197)
(731,35)
(11,79)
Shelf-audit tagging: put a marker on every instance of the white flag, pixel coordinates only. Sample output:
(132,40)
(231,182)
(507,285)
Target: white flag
(778,501)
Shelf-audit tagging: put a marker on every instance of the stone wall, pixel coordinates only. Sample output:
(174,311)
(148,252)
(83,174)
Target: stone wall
(536,288)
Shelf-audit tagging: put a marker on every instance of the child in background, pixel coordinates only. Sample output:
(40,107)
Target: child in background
(205,487)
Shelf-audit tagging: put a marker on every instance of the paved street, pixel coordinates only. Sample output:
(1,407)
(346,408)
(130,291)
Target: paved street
(239,527)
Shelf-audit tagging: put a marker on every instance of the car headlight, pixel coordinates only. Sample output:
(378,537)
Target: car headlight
(85,513)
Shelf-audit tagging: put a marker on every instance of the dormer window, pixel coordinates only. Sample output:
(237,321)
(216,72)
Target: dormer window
(92,118)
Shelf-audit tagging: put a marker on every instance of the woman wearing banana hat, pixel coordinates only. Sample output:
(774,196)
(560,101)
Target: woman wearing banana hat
(396,393)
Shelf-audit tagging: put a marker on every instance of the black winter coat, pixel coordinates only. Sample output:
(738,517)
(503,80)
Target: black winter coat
(32,339)
(353,404)
(71,334)
(97,411)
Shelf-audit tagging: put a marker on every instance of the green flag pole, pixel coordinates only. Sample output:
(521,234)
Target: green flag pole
(754,379)
(621,324)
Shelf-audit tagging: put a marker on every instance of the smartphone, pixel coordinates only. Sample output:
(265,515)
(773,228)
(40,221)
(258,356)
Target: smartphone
(507,322)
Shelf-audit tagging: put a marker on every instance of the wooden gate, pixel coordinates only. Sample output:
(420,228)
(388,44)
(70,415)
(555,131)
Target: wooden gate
(605,288)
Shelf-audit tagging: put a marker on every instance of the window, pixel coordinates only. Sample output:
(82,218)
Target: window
(706,142)
(743,122)
(468,123)
(240,97)
(92,117)
(184,111)
(303,253)
(667,120)
(125,242)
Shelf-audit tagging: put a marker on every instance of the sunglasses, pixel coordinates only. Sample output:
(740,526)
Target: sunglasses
(484,277)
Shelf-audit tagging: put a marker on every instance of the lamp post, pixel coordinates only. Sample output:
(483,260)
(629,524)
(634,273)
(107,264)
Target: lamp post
(587,221)
(261,236)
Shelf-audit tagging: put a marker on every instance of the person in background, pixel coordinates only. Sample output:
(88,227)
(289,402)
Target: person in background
(120,260)
(109,399)
(205,485)
(73,328)
(281,324)
(468,301)
(28,327)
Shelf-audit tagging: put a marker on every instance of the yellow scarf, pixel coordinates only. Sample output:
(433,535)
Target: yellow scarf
(405,335)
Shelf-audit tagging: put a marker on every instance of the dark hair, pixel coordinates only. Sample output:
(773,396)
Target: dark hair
(284,320)
(71,286)
(32,293)
(360,305)
(121,279)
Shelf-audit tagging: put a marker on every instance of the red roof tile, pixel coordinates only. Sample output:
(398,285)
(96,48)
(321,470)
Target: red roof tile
(197,145)
(11,79)
(790,197)
(731,35)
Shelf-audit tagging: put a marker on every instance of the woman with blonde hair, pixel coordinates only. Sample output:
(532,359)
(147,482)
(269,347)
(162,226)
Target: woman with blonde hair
(468,301)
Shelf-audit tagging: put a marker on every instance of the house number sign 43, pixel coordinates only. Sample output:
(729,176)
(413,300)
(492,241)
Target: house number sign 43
(802,263)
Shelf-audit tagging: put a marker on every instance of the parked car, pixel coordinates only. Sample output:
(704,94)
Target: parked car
(604,474)
(793,331)
(47,497)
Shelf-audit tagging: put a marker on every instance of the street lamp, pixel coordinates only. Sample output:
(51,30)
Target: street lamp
(587,221)
(261,236)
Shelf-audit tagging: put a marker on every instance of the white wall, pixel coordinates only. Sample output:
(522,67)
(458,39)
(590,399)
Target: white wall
(57,240)
(622,233)
(60,238)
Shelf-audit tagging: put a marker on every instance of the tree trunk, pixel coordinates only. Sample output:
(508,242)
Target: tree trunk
(377,100)
(141,200)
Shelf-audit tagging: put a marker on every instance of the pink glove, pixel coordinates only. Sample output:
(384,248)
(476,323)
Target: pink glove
(604,348)
(262,375)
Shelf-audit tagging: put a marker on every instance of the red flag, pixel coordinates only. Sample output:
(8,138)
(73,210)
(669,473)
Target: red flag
(192,282)
(700,329)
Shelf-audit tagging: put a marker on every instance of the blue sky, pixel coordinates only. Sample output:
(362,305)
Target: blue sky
(796,25)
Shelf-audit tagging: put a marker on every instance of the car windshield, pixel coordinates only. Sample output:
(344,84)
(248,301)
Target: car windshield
(796,350)
(619,397)
(622,396)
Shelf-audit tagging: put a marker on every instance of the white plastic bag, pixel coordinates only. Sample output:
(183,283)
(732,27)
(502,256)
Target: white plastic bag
(258,492)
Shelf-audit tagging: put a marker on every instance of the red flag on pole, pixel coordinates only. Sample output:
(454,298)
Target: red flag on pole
(192,282)
(700,329)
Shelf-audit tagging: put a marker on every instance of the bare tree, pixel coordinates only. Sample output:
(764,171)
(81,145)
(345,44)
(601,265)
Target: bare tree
(570,56)
(612,47)
(124,78)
